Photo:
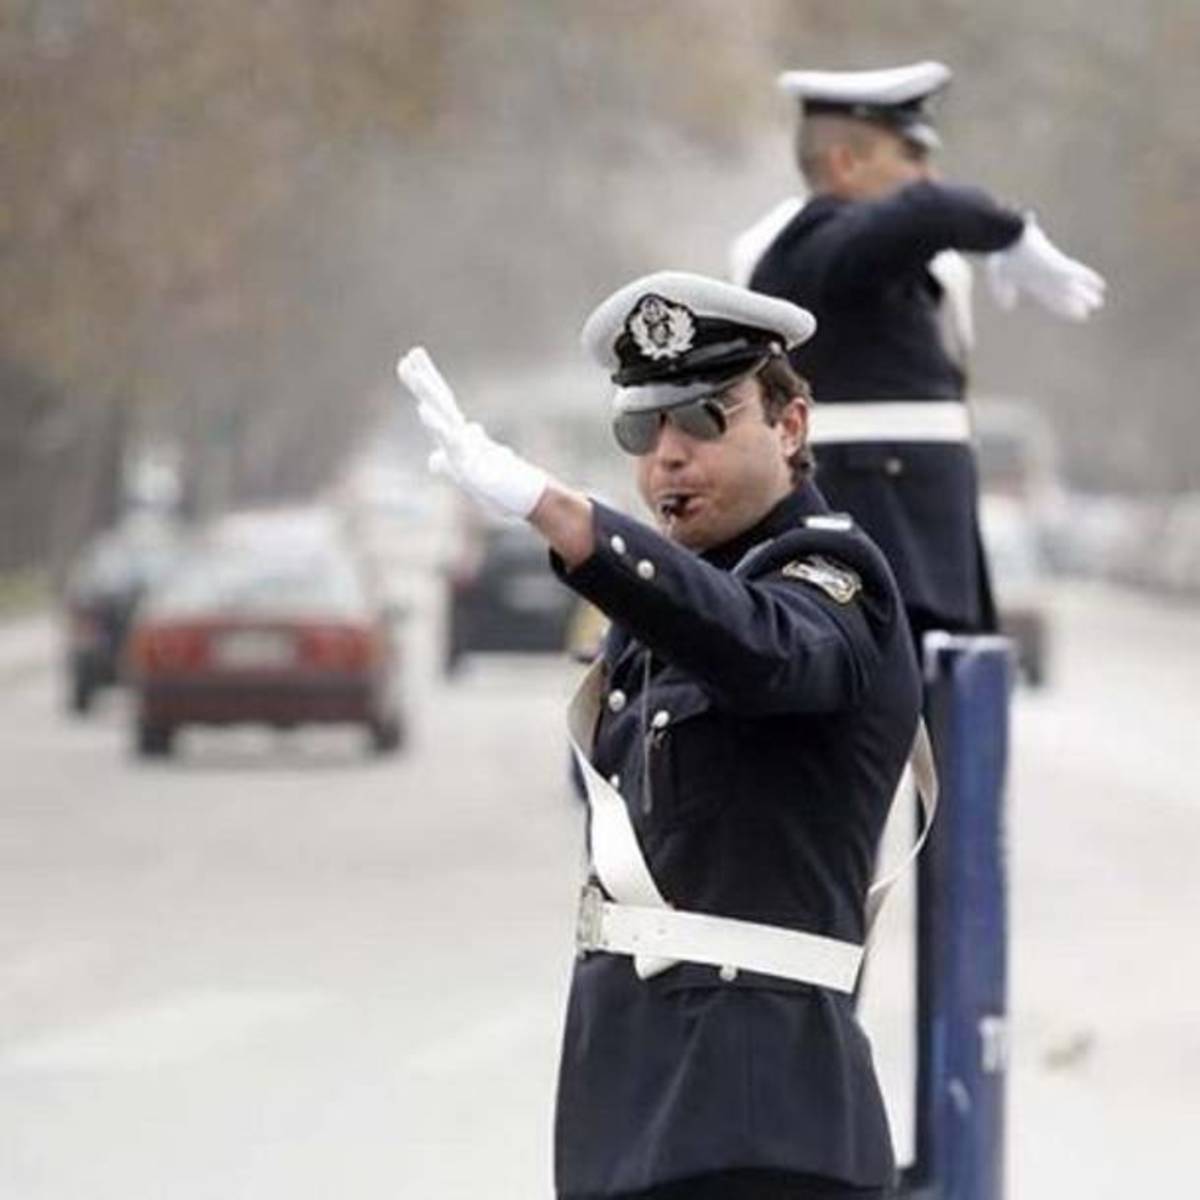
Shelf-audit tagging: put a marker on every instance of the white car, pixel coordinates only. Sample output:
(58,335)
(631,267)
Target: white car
(1179,566)
(1012,541)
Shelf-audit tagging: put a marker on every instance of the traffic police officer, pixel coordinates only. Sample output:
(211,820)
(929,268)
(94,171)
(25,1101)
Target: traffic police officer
(869,255)
(741,738)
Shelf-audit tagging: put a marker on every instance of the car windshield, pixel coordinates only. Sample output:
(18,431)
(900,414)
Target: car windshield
(249,579)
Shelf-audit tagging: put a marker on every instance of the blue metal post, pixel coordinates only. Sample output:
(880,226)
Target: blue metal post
(962,927)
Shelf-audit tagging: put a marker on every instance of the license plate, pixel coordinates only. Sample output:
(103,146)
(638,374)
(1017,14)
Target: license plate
(255,648)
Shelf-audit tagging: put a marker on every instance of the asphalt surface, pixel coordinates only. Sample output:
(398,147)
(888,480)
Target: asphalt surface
(278,967)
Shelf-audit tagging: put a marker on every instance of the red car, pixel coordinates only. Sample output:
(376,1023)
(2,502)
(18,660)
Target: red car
(267,622)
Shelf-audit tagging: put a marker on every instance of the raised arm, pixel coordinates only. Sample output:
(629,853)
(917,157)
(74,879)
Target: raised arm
(781,642)
(804,634)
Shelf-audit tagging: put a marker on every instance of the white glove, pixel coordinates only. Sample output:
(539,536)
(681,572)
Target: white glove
(487,471)
(1033,264)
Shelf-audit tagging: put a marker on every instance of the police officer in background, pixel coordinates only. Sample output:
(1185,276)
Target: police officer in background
(741,739)
(868,254)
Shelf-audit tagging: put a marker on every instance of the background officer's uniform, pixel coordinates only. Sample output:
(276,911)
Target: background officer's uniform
(863,268)
(755,723)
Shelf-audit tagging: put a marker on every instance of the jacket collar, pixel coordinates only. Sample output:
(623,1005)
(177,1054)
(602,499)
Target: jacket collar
(817,209)
(787,514)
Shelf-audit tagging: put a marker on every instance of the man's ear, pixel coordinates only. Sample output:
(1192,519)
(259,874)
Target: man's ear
(793,421)
(841,162)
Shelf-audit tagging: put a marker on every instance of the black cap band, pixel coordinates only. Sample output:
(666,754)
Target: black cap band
(711,361)
(911,121)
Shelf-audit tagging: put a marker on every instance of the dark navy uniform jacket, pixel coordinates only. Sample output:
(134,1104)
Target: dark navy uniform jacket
(791,710)
(862,268)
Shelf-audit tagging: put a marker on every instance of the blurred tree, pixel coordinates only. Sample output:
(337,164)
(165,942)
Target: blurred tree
(222,219)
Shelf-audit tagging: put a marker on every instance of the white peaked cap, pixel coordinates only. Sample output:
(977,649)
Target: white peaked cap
(891,86)
(894,97)
(710,300)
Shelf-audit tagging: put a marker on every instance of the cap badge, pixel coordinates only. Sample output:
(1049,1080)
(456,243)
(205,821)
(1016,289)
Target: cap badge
(661,329)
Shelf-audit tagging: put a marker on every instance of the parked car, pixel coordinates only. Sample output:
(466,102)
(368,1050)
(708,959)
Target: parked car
(110,577)
(1178,570)
(1010,538)
(502,595)
(268,620)
(1017,451)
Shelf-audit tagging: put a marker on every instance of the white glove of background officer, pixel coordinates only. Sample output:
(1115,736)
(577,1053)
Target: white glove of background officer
(1034,265)
(489,472)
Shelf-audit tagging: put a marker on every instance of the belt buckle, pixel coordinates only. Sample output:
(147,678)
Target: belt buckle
(588,926)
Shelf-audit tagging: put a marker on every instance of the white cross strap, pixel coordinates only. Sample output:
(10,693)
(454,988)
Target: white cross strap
(639,921)
(616,856)
(924,775)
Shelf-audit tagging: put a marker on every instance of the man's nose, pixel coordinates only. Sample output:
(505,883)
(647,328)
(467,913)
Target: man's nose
(673,446)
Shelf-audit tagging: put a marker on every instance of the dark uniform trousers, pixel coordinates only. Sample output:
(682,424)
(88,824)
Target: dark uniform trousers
(862,268)
(760,704)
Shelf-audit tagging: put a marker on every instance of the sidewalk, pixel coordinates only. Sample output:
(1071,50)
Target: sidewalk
(28,643)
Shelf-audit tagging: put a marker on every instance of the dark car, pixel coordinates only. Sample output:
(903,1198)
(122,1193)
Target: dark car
(113,573)
(503,595)
(267,621)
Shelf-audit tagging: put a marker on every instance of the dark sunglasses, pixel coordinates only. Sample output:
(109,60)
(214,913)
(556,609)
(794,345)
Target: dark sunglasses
(706,418)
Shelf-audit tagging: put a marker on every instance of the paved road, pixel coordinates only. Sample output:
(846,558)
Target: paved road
(279,968)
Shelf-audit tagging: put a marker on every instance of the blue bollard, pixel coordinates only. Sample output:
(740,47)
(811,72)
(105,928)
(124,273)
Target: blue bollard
(962,927)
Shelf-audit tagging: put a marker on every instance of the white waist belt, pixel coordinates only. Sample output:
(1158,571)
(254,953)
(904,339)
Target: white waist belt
(641,923)
(724,942)
(889,421)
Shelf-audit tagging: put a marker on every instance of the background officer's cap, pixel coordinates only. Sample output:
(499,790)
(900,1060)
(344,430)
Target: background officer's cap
(895,97)
(670,337)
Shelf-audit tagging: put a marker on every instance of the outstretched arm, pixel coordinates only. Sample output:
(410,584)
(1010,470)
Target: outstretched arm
(874,241)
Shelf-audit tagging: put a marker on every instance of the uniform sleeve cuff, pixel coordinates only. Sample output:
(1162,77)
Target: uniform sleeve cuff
(622,568)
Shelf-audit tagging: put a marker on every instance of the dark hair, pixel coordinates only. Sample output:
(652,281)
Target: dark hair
(781,384)
(818,134)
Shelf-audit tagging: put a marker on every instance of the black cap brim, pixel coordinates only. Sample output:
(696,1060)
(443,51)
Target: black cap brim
(651,397)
